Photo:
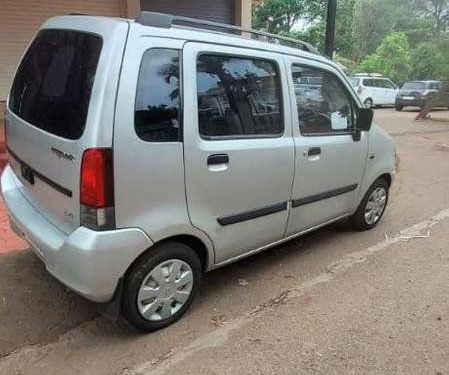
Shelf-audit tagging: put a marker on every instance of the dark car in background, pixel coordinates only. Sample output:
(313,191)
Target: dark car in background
(418,93)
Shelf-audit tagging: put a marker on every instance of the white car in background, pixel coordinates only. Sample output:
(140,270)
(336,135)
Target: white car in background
(374,90)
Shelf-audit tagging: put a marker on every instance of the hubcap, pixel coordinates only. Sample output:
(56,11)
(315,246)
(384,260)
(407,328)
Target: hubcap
(375,205)
(165,290)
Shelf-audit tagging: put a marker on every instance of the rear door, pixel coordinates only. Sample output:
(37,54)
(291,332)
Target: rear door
(62,102)
(379,92)
(238,146)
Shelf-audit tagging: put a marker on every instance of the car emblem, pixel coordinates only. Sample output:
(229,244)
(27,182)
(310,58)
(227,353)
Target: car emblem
(61,154)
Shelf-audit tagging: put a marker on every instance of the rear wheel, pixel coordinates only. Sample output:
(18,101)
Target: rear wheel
(372,206)
(369,103)
(161,286)
(399,108)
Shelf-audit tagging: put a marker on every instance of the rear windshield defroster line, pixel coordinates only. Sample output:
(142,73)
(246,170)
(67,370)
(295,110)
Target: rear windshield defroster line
(53,84)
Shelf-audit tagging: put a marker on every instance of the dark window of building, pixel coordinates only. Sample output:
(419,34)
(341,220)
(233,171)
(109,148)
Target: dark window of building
(157,112)
(238,97)
(53,84)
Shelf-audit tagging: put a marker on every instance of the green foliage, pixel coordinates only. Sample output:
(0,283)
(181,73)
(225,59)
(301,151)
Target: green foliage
(279,16)
(314,35)
(402,39)
(392,58)
(429,62)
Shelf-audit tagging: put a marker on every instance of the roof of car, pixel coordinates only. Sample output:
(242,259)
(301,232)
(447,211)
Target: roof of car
(206,34)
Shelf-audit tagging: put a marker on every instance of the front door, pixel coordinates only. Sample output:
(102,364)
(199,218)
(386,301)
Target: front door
(330,161)
(238,147)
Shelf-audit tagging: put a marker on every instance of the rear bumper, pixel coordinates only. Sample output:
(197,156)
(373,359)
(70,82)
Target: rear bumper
(411,102)
(88,262)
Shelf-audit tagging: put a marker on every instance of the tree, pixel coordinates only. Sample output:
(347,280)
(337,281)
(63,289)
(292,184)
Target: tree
(427,61)
(279,16)
(437,11)
(392,58)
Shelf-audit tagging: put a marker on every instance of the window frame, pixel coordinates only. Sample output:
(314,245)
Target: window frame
(354,106)
(243,136)
(181,94)
(389,81)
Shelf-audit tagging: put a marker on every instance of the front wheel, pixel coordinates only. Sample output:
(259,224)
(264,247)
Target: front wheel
(161,286)
(399,108)
(372,206)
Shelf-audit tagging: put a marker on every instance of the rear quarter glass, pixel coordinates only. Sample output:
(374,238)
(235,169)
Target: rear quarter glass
(53,84)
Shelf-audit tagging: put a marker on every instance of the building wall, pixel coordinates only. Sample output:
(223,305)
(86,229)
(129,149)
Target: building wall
(212,10)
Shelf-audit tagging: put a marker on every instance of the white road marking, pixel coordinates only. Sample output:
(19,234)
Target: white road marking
(220,336)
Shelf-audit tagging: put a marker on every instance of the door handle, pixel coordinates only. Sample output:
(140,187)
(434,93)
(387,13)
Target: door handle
(217,159)
(314,151)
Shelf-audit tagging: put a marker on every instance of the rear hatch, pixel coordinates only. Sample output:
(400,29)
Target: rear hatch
(62,103)
(412,90)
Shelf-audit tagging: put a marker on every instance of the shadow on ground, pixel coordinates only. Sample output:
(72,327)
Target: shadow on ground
(36,309)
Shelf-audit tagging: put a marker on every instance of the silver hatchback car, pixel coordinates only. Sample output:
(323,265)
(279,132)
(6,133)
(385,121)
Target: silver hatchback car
(146,152)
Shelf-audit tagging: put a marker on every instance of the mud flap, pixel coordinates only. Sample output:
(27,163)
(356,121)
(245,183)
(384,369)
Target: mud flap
(113,308)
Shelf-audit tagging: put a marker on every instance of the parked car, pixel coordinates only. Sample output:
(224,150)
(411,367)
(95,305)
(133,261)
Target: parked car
(375,91)
(418,93)
(143,154)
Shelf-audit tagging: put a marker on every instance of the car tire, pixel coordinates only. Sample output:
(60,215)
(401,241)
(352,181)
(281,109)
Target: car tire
(161,286)
(369,103)
(371,203)
(399,108)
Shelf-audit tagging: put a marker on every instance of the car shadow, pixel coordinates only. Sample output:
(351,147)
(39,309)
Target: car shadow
(37,309)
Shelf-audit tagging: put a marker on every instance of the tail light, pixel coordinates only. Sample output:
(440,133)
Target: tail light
(97,189)
(360,90)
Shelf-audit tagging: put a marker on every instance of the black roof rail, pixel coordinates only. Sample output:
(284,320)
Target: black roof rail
(166,21)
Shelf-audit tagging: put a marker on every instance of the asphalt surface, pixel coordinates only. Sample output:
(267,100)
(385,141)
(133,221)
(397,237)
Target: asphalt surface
(332,302)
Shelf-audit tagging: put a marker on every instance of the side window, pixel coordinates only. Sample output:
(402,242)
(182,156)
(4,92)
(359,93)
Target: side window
(325,107)
(157,113)
(368,83)
(380,83)
(238,97)
(389,85)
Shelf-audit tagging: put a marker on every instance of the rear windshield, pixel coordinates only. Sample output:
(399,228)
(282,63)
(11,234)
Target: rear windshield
(53,84)
(414,86)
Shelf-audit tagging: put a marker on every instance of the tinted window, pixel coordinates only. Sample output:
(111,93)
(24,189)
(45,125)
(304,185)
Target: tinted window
(238,97)
(414,86)
(389,85)
(381,83)
(326,109)
(157,113)
(434,86)
(368,82)
(53,84)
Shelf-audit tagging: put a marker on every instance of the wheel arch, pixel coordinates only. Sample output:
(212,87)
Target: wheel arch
(195,243)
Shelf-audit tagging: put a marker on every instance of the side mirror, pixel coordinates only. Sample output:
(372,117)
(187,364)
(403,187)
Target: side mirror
(364,119)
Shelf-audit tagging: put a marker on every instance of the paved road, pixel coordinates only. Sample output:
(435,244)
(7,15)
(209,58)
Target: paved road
(332,302)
